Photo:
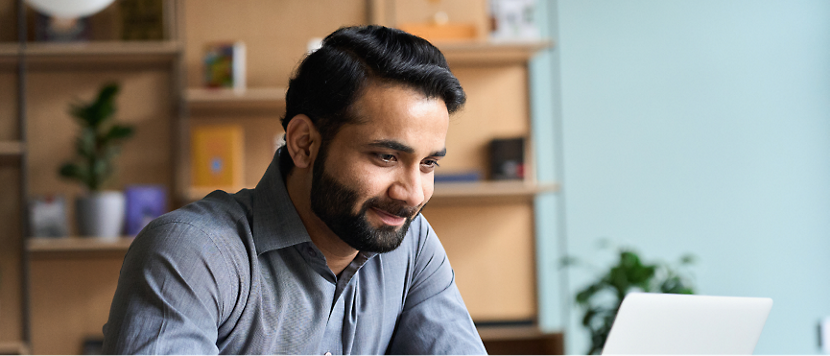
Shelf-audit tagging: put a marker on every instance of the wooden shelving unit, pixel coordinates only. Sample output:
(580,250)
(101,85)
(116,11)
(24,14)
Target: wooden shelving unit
(490,190)
(11,148)
(76,273)
(91,54)
(462,53)
(9,50)
(227,96)
(257,107)
(103,48)
(77,244)
(265,98)
(520,340)
(488,52)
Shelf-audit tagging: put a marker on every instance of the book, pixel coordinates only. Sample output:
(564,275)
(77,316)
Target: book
(47,216)
(217,156)
(468,176)
(144,203)
(142,20)
(507,158)
(224,65)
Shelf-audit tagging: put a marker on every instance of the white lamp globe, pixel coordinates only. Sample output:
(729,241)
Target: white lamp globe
(69,9)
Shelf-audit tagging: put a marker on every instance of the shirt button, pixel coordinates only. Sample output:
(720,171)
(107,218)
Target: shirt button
(312,253)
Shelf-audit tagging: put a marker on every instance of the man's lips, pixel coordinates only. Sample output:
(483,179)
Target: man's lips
(388,218)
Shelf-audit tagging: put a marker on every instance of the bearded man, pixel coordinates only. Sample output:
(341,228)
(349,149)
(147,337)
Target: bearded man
(329,254)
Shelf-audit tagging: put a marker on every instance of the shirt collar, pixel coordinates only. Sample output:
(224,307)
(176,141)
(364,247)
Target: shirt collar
(277,224)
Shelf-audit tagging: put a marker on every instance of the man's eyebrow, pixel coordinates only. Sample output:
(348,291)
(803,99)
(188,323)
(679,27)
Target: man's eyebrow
(392,145)
(397,146)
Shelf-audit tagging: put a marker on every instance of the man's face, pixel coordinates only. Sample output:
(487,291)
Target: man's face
(375,176)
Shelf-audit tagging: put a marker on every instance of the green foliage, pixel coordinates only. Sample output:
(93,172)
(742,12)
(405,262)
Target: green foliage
(602,299)
(98,142)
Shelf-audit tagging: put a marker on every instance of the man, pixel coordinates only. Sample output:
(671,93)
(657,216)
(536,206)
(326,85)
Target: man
(329,253)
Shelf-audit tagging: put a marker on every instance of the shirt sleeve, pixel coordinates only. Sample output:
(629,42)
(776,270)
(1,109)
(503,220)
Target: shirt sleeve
(168,297)
(434,318)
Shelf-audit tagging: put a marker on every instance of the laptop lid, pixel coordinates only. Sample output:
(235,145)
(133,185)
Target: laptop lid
(650,323)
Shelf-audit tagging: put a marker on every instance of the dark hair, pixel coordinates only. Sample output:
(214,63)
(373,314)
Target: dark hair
(329,80)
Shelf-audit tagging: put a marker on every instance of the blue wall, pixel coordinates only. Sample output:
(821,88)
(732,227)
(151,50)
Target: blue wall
(692,126)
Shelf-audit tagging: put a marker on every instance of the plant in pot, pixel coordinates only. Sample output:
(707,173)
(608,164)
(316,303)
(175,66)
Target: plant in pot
(99,212)
(601,299)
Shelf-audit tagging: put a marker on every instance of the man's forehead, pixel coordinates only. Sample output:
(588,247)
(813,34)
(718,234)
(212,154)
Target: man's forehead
(384,95)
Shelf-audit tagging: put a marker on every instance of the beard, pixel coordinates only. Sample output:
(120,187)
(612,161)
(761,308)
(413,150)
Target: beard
(334,203)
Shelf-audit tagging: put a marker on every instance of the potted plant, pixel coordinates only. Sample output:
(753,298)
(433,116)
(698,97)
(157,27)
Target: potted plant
(601,299)
(99,212)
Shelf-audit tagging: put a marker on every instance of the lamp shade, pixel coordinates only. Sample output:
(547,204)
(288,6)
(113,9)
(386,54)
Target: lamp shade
(68,8)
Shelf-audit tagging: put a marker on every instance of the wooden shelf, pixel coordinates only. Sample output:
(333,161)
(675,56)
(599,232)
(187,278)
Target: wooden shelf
(92,54)
(78,244)
(488,52)
(509,332)
(11,148)
(213,95)
(449,192)
(9,49)
(521,340)
(13,348)
(237,100)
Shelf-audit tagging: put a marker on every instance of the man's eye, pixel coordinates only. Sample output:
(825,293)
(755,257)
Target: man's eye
(385,158)
(430,164)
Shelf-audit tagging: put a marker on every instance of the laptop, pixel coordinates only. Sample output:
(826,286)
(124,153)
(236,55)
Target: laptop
(649,323)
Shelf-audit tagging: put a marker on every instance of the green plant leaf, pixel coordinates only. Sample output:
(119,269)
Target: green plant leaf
(583,296)
(119,132)
(97,144)
(589,316)
(629,273)
(71,171)
(567,261)
(95,113)
(104,106)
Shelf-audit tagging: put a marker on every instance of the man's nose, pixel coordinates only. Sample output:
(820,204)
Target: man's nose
(408,187)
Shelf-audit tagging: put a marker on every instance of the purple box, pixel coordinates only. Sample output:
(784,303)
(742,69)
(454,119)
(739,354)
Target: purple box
(144,203)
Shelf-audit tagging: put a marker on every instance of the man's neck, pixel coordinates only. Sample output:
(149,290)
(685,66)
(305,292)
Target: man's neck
(338,253)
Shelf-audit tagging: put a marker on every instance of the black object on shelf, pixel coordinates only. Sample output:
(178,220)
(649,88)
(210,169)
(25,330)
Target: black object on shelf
(507,158)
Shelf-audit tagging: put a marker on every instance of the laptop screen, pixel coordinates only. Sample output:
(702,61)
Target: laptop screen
(649,323)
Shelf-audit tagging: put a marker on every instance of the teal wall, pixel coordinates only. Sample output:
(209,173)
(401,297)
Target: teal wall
(689,126)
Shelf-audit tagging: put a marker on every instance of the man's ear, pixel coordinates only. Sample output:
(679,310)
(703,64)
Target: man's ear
(302,141)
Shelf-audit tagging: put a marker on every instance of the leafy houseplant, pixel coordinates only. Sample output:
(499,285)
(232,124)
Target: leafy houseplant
(601,299)
(96,147)
(98,143)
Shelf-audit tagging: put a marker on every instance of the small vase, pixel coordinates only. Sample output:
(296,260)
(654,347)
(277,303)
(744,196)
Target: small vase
(100,214)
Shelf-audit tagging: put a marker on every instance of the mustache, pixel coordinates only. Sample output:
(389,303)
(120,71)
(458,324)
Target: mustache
(397,209)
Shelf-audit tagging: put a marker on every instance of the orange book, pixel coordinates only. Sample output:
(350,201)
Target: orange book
(217,156)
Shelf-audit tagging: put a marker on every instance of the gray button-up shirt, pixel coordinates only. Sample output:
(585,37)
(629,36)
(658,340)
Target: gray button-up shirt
(238,274)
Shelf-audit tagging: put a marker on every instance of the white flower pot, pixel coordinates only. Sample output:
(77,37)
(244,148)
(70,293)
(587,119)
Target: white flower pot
(100,214)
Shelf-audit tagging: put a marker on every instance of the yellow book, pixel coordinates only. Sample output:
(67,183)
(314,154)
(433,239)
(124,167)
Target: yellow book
(217,156)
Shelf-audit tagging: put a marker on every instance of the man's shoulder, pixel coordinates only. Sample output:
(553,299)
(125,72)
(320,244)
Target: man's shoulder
(217,211)
(218,221)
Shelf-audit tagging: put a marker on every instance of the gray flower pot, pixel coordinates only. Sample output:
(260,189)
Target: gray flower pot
(100,214)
